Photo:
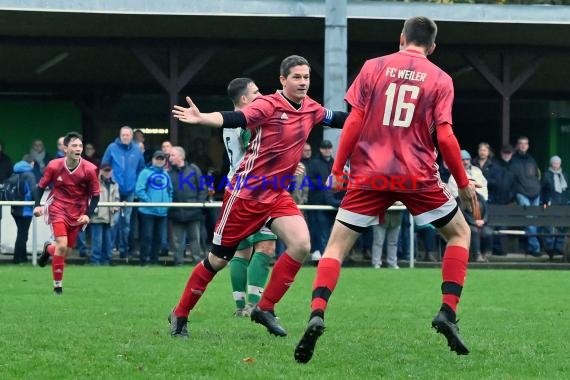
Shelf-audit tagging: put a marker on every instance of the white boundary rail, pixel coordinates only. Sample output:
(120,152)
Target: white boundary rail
(192,205)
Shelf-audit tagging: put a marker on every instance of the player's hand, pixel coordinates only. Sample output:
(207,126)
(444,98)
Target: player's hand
(468,196)
(334,183)
(300,169)
(38,211)
(190,114)
(479,223)
(83,219)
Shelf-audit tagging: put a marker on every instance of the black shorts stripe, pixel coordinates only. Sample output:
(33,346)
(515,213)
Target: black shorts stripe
(441,222)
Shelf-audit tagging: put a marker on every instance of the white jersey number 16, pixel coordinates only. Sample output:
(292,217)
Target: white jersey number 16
(400,105)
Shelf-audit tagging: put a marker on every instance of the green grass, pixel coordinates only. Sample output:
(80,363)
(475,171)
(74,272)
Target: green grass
(111,323)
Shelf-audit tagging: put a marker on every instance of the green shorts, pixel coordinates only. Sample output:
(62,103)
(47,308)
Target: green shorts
(261,235)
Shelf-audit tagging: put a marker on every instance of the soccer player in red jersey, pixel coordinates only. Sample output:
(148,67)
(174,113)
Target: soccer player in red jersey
(257,195)
(70,205)
(398,101)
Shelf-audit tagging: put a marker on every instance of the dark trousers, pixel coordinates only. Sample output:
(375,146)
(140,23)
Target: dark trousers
(23,225)
(481,239)
(151,239)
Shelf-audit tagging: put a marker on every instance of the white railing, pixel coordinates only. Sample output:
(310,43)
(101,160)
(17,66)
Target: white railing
(191,205)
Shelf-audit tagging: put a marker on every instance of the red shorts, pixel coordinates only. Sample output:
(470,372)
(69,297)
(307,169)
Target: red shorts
(365,208)
(240,218)
(63,229)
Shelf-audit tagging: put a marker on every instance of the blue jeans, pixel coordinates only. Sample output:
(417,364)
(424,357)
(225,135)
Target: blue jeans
(533,246)
(82,241)
(151,239)
(101,243)
(123,228)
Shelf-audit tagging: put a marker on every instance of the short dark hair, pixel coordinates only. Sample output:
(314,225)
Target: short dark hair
(292,61)
(71,136)
(238,87)
(420,31)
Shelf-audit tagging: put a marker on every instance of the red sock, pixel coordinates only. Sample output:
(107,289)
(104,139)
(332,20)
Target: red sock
(195,287)
(51,249)
(328,272)
(57,267)
(453,272)
(282,276)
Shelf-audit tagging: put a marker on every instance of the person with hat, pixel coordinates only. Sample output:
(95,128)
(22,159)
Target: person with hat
(554,192)
(473,173)
(320,221)
(104,218)
(154,186)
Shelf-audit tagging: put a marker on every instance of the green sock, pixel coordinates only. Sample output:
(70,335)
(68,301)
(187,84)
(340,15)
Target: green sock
(257,273)
(238,275)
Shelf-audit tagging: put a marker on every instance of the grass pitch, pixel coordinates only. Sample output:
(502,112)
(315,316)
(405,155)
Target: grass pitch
(111,324)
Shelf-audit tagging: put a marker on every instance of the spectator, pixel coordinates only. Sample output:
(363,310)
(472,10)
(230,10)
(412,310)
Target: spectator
(153,185)
(473,173)
(306,156)
(501,182)
(427,233)
(185,222)
(481,234)
(554,192)
(389,230)
(484,159)
(40,156)
(91,155)
(501,179)
(127,161)
(526,187)
(23,173)
(555,184)
(104,219)
(166,146)
(60,148)
(139,138)
(5,164)
(320,221)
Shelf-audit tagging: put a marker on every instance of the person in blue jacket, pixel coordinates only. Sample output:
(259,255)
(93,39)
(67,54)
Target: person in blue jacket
(24,175)
(127,162)
(153,185)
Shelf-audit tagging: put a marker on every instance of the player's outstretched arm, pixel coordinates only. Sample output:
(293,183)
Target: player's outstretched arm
(192,115)
(451,155)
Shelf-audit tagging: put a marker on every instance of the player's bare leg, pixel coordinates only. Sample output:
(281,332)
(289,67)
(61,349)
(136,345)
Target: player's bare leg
(453,270)
(340,242)
(294,232)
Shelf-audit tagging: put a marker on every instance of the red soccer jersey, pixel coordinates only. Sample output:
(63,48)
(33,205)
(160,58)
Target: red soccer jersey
(403,97)
(279,132)
(72,190)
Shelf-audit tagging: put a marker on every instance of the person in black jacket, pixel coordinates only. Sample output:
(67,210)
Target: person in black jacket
(186,222)
(320,221)
(5,164)
(526,186)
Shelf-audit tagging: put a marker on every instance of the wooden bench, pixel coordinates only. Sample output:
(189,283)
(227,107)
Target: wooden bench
(509,217)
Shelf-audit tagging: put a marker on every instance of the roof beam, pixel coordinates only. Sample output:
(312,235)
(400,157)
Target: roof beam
(487,13)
